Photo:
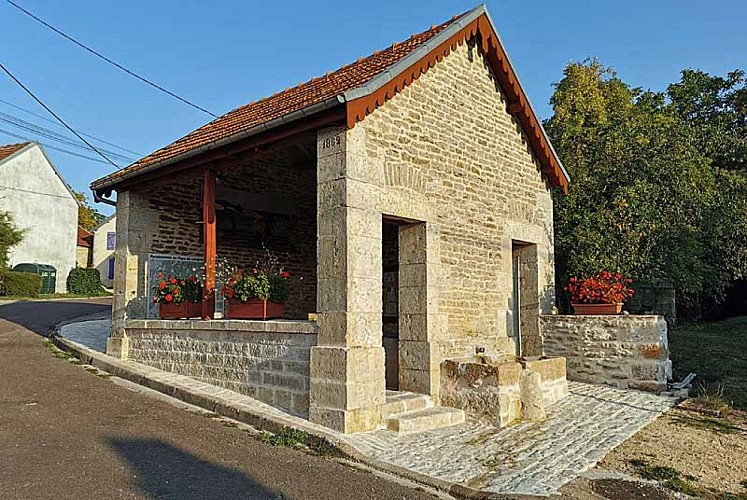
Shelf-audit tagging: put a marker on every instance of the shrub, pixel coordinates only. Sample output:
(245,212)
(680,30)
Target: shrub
(20,284)
(84,282)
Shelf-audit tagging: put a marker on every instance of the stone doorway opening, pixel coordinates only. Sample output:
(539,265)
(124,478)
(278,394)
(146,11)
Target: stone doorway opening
(390,300)
(525,299)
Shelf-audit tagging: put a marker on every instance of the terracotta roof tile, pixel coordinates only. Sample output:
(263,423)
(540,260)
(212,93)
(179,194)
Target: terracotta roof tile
(85,238)
(314,91)
(9,149)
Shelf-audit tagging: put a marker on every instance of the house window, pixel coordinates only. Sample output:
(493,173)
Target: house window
(111,268)
(111,240)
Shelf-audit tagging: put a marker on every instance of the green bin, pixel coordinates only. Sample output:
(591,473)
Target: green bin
(47,272)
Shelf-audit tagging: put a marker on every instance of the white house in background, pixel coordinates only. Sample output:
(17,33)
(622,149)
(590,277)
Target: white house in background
(104,241)
(42,204)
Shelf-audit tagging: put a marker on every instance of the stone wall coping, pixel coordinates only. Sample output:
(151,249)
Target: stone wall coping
(603,316)
(231,325)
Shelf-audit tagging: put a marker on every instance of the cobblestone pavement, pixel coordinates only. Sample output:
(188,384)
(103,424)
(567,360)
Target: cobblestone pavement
(527,458)
(91,334)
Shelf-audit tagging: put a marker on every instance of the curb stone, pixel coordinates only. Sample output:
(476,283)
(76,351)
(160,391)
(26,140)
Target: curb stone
(212,398)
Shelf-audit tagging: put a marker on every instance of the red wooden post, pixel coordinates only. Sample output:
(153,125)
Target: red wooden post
(208,217)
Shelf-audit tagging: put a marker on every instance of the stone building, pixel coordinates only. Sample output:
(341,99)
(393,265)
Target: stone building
(104,241)
(43,205)
(84,248)
(410,195)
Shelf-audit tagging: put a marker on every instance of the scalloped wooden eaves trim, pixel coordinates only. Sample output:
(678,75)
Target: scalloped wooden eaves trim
(517,103)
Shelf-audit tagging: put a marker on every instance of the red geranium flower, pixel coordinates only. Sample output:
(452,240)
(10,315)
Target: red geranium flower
(169,298)
(284,274)
(162,285)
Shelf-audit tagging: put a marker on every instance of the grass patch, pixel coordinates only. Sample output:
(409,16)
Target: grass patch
(52,296)
(667,476)
(286,437)
(717,353)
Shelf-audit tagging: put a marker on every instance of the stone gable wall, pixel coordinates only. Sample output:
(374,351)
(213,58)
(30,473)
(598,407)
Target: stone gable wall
(447,143)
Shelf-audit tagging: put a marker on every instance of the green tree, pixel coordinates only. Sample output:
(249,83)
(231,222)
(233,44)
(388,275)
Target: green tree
(88,217)
(645,198)
(10,236)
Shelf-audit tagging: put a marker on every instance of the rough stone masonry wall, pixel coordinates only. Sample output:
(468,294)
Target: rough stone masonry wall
(268,361)
(176,213)
(446,142)
(625,351)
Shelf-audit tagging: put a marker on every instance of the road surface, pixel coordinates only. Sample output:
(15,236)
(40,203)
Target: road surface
(67,433)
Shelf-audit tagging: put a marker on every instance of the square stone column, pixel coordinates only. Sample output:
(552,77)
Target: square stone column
(347,371)
(420,324)
(135,223)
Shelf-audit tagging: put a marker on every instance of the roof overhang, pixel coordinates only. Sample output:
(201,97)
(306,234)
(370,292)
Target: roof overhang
(363,100)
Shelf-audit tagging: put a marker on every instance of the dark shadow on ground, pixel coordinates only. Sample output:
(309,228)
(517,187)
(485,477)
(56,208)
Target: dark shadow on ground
(164,471)
(42,316)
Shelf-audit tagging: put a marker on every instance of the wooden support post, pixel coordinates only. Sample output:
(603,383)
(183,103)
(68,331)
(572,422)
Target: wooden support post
(208,217)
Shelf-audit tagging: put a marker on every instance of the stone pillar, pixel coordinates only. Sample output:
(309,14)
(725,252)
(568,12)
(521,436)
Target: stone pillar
(347,366)
(419,321)
(135,222)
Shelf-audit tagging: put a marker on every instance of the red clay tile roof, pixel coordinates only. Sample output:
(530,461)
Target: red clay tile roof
(85,238)
(9,149)
(314,91)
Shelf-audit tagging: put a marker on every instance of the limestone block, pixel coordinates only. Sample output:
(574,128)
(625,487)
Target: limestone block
(532,400)
(346,421)
(418,355)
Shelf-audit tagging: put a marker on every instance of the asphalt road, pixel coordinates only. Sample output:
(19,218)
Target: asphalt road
(66,433)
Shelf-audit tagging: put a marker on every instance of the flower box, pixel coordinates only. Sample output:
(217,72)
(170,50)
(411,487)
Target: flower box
(255,309)
(178,311)
(592,309)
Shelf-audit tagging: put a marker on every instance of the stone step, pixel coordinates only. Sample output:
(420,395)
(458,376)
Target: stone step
(425,420)
(402,402)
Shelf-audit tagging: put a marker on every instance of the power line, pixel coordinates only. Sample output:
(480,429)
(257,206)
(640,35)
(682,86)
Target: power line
(47,145)
(113,63)
(98,139)
(53,135)
(71,129)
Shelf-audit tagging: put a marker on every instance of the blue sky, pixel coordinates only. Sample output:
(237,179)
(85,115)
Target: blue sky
(224,54)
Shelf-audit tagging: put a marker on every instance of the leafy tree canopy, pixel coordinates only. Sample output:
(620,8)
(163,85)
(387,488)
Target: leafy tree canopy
(88,217)
(654,194)
(10,236)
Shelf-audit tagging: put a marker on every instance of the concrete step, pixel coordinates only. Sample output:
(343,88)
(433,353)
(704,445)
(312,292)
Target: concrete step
(402,402)
(425,420)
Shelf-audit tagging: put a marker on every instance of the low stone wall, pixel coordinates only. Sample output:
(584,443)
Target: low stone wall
(267,360)
(625,351)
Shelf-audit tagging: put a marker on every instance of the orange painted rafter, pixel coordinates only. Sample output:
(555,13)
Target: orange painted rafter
(517,103)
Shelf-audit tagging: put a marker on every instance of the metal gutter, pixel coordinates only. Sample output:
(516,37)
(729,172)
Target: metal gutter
(283,120)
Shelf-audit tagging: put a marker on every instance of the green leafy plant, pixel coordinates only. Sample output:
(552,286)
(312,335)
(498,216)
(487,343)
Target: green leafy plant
(20,284)
(10,236)
(82,281)
(268,280)
(175,289)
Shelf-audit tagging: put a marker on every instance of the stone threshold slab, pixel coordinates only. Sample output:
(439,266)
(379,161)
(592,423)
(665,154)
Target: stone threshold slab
(251,412)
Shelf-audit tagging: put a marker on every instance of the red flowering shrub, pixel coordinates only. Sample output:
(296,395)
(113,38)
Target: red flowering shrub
(603,288)
(175,290)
